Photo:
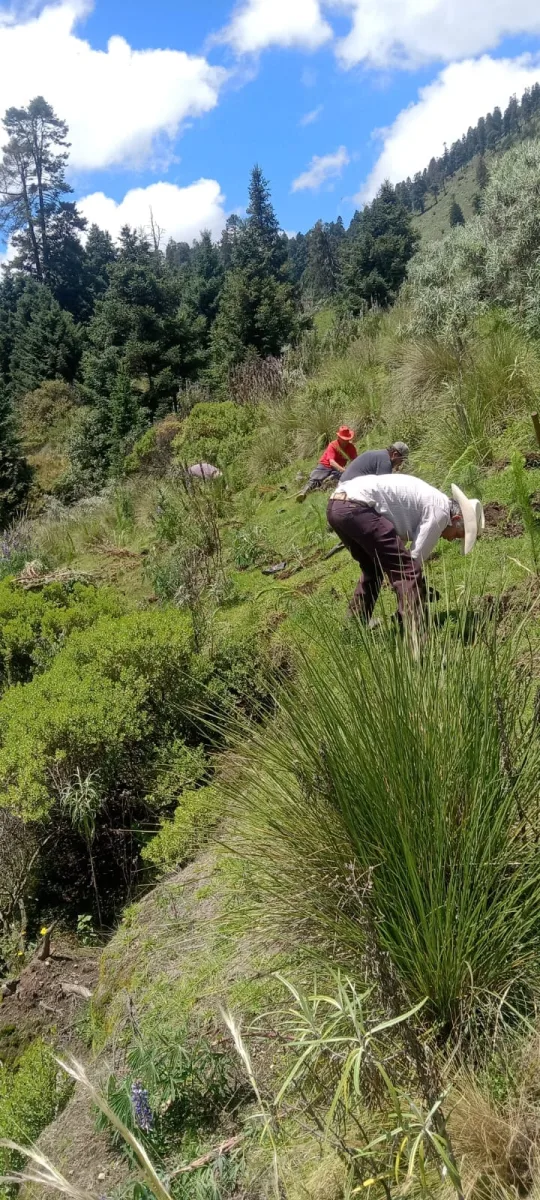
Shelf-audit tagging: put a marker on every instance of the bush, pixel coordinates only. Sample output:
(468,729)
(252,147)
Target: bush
(195,818)
(152,454)
(215,433)
(46,413)
(31,1094)
(110,695)
(493,259)
(175,768)
(34,626)
(392,810)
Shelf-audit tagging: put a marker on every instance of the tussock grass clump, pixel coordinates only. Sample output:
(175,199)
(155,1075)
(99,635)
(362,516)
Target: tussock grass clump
(393,809)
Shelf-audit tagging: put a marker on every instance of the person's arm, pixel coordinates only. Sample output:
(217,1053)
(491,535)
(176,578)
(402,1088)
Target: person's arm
(428,532)
(336,465)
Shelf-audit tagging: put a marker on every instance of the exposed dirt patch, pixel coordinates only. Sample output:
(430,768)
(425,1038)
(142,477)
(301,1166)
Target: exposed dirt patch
(499,523)
(42,1001)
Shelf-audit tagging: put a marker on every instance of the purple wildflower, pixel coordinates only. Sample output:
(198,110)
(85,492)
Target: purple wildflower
(141,1107)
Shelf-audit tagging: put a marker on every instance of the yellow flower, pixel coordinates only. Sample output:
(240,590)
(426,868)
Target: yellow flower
(43,930)
(20,953)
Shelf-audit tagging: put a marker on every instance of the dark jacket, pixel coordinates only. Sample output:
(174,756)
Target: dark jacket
(373,462)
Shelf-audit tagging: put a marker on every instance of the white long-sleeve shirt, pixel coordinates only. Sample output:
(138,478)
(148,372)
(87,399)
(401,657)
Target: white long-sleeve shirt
(418,512)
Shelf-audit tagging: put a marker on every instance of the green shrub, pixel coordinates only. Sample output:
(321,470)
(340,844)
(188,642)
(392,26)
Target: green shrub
(152,453)
(195,818)
(110,695)
(249,547)
(215,432)
(34,626)
(175,768)
(31,1093)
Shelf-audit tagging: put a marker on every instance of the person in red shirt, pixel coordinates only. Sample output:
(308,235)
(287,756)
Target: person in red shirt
(337,456)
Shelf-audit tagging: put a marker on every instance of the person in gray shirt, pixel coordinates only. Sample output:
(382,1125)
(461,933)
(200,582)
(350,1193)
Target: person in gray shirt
(376,462)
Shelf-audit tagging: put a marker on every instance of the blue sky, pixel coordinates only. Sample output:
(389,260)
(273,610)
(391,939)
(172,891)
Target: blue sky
(171,102)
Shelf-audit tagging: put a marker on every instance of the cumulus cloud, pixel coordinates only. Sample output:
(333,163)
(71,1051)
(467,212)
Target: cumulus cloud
(411,32)
(309,118)
(321,169)
(116,101)
(181,212)
(461,94)
(257,24)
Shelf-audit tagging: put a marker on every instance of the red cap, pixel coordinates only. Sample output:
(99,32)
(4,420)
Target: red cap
(346,434)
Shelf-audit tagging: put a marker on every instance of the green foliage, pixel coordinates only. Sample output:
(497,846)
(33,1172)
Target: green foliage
(195,818)
(15,473)
(381,242)
(522,501)
(340,1037)
(214,433)
(249,547)
(489,260)
(110,695)
(456,214)
(45,415)
(388,809)
(31,1093)
(258,311)
(176,767)
(34,626)
(152,453)
(46,342)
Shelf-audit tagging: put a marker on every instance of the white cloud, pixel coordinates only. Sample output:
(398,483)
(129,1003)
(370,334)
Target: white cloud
(257,24)
(321,168)
(180,211)
(309,118)
(461,94)
(411,32)
(116,101)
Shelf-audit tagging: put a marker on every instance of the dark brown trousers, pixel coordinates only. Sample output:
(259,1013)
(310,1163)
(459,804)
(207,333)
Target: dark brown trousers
(375,545)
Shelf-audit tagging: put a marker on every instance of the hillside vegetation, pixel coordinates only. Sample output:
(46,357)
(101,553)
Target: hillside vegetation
(296,859)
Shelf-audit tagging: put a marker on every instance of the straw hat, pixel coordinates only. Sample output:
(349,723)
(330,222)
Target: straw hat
(473,518)
(346,434)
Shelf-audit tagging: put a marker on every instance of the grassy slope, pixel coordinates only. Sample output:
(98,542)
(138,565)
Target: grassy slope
(435,221)
(178,954)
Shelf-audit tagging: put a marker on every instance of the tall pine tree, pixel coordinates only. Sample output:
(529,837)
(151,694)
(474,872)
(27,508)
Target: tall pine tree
(381,242)
(45,341)
(259,310)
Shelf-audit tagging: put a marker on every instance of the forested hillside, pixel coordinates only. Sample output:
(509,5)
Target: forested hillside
(270,874)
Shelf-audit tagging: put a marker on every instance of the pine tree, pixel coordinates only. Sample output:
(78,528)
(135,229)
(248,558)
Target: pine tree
(140,327)
(202,284)
(15,472)
(456,214)
(378,250)
(45,341)
(476,203)
(482,173)
(258,310)
(32,182)
(321,276)
(100,255)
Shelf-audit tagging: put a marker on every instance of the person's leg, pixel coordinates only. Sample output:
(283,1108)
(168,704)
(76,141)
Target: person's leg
(344,519)
(404,573)
(317,478)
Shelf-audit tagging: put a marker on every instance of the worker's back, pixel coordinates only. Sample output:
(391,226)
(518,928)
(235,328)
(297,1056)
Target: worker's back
(372,462)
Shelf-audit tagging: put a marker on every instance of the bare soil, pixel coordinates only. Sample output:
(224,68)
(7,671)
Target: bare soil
(39,1006)
(499,523)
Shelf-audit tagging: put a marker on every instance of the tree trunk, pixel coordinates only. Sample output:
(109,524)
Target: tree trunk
(37,143)
(31,227)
